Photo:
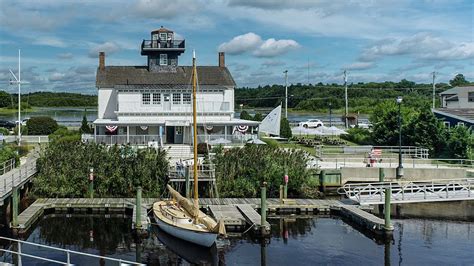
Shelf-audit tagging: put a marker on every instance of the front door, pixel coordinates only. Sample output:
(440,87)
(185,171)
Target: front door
(178,136)
(170,135)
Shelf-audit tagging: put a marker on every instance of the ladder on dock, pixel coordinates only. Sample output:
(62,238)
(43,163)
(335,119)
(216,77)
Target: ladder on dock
(410,191)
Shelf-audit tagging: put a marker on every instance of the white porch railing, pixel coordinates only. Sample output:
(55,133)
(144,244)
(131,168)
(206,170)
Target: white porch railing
(122,139)
(226,139)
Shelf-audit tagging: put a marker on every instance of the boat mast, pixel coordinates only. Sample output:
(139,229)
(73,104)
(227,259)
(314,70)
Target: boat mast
(195,170)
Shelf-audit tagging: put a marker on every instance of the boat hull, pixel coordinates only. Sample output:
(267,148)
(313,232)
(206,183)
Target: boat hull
(205,239)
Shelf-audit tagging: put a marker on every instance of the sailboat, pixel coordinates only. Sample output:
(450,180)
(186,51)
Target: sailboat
(181,217)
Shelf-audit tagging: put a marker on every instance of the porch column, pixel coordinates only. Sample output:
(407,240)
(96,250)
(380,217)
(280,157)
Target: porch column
(225,132)
(95,133)
(160,131)
(128,134)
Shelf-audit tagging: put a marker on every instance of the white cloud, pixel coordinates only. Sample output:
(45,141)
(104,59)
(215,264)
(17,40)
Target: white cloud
(421,46)
(107,47)
(251,42)
(162,9)
(56,76)
(49,41)
(359,66)
(241,44)
(272,47)
(65,56)
(271,63)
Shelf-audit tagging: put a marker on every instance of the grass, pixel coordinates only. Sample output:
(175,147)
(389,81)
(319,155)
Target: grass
(14,111)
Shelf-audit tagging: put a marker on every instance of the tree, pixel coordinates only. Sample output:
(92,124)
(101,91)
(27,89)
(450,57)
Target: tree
(385,123)
(460,143)
(458,80)
(285,129)
(41,125)
(426,131)
(85,129)
(245,115)
(258,117)
(5,100)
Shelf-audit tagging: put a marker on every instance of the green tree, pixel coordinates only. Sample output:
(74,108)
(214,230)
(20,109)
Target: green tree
(460,143)
(41,125)
(245,115)
(285,129)
(458,80)
(426,131)
(385,123)
(85,129)
(258,117)
(5,100)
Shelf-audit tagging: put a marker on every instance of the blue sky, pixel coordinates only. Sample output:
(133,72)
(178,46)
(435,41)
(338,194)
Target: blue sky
(314,40)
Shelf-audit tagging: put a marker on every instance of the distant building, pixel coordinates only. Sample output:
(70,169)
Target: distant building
(457,107)
(153,103)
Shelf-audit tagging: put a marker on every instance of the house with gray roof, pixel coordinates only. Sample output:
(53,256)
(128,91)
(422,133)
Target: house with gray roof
(152,104)
(457,107)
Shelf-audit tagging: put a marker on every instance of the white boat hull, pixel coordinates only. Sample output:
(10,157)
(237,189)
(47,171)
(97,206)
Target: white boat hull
(200,238)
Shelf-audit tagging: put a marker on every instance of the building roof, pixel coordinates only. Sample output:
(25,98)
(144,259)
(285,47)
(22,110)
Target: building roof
(456,90)
(161,30)
(466,114)
(139,75)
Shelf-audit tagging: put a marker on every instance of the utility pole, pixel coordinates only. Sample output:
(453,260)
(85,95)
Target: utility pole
(19,82)
(434,89)
(286,93)
(345,85)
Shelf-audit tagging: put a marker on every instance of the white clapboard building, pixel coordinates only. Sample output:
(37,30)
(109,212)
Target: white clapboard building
(152,103)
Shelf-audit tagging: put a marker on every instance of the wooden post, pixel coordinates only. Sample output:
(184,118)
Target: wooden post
(281,194)
(187,186)
(263,207)
(322,178)
(138,211)
(14,207)
(91,183)
(388,225)
(285,192)
(381,175)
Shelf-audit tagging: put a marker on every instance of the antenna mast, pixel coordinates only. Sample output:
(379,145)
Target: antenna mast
(434,89)
(345,90)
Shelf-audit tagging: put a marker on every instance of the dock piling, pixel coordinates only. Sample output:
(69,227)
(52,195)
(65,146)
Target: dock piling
(15,207)
(388,224)
(263,207)
(381,175)
(187,186)
(138,207)
(91,183)
(281,194)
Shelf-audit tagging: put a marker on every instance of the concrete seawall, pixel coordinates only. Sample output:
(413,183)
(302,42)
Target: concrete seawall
(368,174)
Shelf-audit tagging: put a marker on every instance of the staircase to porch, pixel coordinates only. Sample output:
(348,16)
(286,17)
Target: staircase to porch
(176,152)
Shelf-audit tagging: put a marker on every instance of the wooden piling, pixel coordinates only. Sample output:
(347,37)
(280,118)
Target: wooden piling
(14,207)
(263,207)
(388,224)
(138,203)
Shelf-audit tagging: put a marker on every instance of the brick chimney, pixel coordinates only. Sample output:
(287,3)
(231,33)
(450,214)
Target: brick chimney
(221,59)
(101,60)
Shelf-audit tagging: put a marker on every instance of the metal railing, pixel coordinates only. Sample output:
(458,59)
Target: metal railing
(161,44)
(7,166)
(412,191)
(15,178)
(407,151)
(68,253)
(206,172)
(124,139)
(390,162)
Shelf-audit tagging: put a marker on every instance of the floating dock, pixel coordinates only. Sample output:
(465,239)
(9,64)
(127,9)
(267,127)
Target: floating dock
(237,213)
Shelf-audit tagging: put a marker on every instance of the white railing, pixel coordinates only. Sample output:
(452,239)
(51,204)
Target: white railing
(407,151)
(67,252)
(7,166)
(390,162)
(124,139)
(28,138)
(409,192)
(226,139)
(17,176)
(205,172)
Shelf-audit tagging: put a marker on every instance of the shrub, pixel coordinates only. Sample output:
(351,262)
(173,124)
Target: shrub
(285,129)
(7,153)
(41,125)
(4,131)
(203,148)
(358,135)
(65,135)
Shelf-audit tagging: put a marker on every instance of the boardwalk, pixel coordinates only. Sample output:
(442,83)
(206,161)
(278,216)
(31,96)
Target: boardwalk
(18,176)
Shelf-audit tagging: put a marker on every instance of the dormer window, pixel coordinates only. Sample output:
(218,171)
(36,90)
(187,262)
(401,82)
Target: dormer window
(163,59)
(163,36)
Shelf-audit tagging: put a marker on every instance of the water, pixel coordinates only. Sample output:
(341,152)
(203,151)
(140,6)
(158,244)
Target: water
(294,241)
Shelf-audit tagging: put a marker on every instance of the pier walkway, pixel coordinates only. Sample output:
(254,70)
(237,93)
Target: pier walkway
(410,191)
(18,176)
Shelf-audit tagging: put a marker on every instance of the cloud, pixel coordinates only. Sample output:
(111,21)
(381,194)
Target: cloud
(107,47)
(65,56)
(241,44)
(272,63)
(49,41)
(421,46)
(251,42)
(272,47)
(56,76)
(359,66)
(164,9)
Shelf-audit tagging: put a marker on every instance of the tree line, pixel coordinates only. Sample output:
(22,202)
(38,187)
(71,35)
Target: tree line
(47,99)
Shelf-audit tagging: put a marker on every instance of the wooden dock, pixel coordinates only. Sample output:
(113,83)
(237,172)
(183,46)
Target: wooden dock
(237,213)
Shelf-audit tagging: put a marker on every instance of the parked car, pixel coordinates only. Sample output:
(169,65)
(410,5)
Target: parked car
(311,123)
(7,124)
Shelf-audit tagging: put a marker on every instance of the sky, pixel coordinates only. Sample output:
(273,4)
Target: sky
(315,40)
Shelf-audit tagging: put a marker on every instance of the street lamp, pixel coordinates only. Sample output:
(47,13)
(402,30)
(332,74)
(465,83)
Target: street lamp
(400,166)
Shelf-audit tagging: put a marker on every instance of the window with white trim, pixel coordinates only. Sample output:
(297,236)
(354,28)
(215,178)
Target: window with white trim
(156,98)
(176,98)
(186,98)
(146,98)
(447,124)
(163,59)
(460,123)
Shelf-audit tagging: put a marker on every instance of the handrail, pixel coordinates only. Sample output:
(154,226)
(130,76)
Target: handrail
(68,252)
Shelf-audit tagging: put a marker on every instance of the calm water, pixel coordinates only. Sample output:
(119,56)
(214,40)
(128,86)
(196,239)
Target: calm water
(310,241)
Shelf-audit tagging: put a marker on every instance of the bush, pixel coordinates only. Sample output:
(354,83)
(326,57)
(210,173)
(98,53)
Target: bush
(358,135)
(65,135)
(285,129)
(4,131)
(203,148)
(7,153)
(41,125)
